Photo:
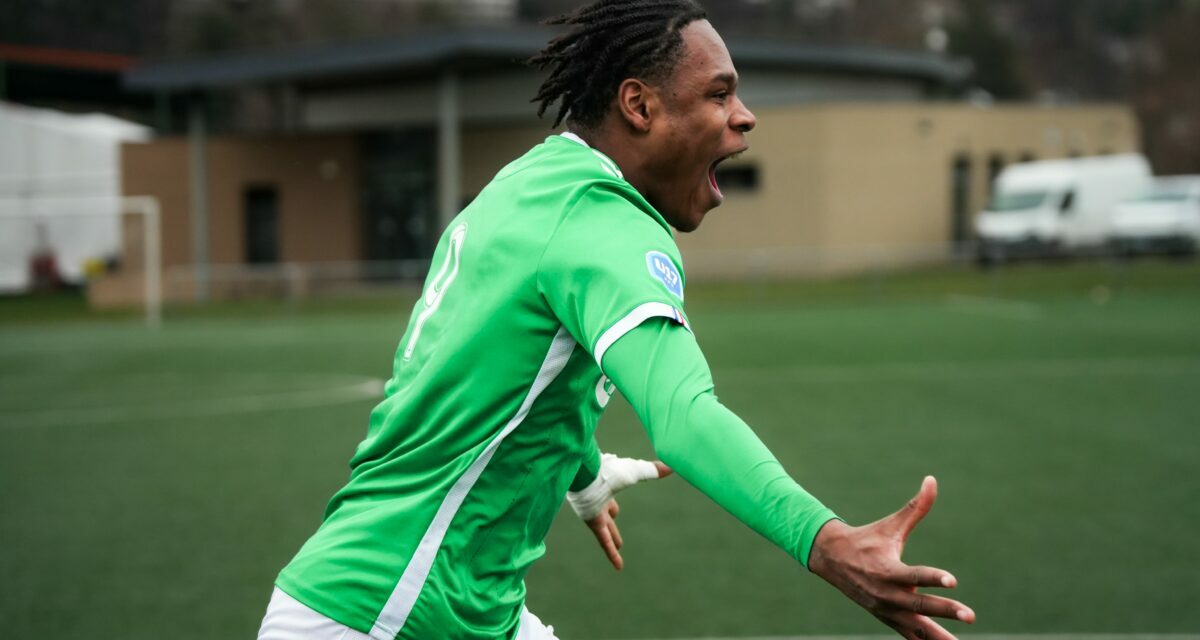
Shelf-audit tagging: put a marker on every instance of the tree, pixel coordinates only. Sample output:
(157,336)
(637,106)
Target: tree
(1166,92)
(976,36)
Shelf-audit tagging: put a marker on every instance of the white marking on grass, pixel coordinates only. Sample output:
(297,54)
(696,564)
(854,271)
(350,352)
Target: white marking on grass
(331,390)
(994,307)
(1007,369)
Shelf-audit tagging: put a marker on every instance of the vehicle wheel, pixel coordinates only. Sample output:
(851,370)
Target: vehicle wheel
(1054,251)
(1184,250)
(989,256)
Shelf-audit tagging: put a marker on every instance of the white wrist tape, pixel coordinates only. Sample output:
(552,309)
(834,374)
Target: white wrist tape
(615,474)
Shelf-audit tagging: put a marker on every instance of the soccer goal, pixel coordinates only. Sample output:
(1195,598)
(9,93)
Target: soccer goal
(73,237)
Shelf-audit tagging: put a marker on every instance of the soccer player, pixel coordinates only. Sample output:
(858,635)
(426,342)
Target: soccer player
(560,281)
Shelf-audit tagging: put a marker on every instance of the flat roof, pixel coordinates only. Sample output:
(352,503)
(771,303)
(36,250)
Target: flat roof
(481,47)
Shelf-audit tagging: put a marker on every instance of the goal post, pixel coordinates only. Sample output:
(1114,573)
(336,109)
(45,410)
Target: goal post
(74,227)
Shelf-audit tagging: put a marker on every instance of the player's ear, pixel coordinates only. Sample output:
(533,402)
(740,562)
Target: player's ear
(635,102)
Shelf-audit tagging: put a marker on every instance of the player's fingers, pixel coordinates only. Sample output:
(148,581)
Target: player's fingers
(888,621)
(915,627)
(613,508)
(662,469)
(920,627)
(931,605)
(604,537)
(923,577)
(904,520)
(616,534)
(644,470)
(622,473)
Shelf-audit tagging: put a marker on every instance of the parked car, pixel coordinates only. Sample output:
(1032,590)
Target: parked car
(1055,207)
(1162,219)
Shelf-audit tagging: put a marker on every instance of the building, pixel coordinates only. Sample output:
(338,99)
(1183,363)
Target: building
(361,153)
(839,187)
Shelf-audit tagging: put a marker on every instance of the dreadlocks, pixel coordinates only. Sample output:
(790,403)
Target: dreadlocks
(610,40)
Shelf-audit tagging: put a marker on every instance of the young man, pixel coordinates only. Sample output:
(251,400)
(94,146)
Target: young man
(561,280)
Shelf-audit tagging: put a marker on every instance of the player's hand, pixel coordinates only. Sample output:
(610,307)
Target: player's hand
(864,563)
(595,503)
(604,527)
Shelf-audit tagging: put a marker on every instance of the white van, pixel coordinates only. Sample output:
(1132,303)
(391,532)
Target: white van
(1164,218)
(1057,206)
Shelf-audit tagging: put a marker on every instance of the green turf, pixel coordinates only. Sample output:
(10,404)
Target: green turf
(149,490)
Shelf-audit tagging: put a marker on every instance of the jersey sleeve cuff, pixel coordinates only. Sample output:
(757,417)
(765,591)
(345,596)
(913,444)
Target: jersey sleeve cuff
(640,314)
(808,534)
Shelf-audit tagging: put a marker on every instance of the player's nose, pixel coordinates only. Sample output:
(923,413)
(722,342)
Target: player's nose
(742,120)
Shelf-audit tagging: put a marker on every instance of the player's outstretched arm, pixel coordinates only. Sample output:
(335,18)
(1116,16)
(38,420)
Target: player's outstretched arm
(864,563)
(661,371)
(594,503)
(659,368)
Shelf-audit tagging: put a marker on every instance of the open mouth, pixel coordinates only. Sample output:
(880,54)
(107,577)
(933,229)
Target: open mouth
(712,171)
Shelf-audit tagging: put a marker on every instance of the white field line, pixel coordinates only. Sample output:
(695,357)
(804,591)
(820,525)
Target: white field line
(994,307)
(339,390)
(1018,369)
(972,636)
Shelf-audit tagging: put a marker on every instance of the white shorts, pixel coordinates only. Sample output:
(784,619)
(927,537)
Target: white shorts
(289,619)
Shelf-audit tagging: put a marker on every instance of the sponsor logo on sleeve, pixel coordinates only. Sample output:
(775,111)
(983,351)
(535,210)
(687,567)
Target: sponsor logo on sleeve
(662,268)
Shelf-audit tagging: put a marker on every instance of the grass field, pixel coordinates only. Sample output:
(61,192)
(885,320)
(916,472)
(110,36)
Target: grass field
(152,483)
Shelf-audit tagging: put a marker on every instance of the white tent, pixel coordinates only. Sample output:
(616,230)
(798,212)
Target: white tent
(59,189)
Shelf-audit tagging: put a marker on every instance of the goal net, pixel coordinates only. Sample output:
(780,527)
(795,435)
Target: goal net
(51,241)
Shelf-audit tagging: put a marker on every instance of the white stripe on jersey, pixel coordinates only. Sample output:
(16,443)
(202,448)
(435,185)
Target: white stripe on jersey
(640,314)
(395,612)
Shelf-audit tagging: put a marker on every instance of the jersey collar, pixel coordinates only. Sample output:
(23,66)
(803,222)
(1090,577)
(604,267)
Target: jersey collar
(610,164)
(573,137)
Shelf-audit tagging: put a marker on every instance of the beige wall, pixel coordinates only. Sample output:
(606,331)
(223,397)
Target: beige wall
(842,187)
(317,181)
(316,178)
(487,149)
(845,187)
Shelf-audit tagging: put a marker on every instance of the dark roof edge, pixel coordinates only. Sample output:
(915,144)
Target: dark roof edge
(434,48)
(318,61)
(863,60)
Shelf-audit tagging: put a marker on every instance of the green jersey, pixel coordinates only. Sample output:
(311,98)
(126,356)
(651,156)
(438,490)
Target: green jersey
(494,398)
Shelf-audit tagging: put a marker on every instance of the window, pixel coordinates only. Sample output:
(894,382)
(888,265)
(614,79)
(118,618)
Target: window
(260,206)
(1068,202)
(1017,201)
(399,194)
(960,198)
(995,166)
